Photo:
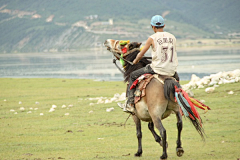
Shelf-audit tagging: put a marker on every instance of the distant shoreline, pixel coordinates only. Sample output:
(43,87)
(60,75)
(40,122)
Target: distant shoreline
(182,49)
(207,44)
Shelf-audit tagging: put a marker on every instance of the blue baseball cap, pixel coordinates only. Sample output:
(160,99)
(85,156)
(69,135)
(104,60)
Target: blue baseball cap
(157,21)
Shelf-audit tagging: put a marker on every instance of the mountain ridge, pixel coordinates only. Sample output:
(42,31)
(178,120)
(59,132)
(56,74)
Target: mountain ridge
(37,26)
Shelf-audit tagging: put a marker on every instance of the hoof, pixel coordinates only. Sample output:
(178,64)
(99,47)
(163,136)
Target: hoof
(180,152)
(163,158)
(138,154)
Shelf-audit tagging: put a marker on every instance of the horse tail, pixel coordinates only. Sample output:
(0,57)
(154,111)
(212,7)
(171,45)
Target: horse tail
(187,108)
(169,87)
(191,113)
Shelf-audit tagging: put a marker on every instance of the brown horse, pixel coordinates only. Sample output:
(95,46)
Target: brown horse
(158,103)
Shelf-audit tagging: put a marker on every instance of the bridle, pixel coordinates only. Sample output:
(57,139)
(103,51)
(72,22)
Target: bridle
(117,54)
(114,45)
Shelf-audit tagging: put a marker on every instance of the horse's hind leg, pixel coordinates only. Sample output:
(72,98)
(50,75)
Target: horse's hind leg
(139,135)
(179,149)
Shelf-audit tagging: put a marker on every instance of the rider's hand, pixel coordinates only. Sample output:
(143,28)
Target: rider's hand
(135,61)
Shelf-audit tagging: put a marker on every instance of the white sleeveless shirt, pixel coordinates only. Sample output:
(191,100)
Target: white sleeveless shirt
(164,55)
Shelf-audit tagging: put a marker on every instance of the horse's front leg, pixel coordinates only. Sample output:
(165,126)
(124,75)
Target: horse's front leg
(156,137)
(139,135)
(179,149)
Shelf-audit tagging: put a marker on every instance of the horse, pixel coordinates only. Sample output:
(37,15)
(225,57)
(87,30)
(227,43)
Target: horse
(158,103)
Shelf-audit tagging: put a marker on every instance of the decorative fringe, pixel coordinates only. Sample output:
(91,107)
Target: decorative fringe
(183,110)
(122,42)
(187,109)
(199,104)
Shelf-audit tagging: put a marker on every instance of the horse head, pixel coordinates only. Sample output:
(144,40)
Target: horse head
(129,51)
(121,47)
(112,45)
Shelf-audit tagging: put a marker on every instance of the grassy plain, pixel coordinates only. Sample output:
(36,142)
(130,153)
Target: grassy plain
(89,132)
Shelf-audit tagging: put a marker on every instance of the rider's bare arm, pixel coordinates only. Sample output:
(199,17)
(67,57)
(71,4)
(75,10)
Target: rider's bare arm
(143,51)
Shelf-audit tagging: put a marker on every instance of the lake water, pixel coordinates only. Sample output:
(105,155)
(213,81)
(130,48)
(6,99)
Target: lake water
(98,64)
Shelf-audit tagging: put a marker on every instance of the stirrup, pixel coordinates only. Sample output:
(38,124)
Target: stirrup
(126,108)
(130,109)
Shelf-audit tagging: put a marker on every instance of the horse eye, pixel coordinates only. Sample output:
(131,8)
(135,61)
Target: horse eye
(130,46)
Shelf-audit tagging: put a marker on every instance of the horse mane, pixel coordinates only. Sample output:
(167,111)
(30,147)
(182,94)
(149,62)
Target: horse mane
(130,68)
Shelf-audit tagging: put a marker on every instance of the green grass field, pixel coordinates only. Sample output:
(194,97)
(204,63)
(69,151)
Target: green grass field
(89,132)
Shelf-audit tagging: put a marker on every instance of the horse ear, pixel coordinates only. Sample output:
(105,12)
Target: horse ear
(139,44)
(130,46)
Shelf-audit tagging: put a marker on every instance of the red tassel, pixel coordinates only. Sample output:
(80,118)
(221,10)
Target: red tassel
(134,84)
(191,116)
(195,112)
(124,50)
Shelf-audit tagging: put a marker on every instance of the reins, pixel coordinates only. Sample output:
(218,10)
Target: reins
(118,56)
(122,71)
(115,53)
(127,120)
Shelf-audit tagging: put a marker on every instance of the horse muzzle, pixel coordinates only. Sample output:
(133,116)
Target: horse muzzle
(107,44)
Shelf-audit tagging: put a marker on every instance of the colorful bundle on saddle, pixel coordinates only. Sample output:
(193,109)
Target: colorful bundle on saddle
(122,61)
(124,50)
(187,104)
(122,43)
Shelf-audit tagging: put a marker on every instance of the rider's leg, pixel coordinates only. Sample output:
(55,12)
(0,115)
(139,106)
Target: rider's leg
(133,76)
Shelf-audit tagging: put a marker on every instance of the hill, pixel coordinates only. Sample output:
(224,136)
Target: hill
(63,25)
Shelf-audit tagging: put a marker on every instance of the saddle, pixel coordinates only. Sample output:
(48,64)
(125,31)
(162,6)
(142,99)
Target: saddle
(141,83)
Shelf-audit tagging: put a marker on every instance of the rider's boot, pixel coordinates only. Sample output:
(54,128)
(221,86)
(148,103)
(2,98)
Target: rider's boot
(129,106)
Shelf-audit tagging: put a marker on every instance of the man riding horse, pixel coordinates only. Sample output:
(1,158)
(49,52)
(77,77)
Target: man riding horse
(158,95)
(164,58)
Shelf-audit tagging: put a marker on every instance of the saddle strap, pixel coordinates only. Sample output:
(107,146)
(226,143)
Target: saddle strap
(160,80)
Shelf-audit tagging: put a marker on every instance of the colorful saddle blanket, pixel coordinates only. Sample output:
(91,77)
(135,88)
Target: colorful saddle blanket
(141,83)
